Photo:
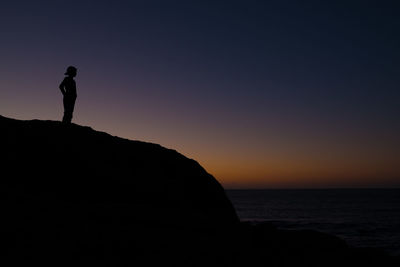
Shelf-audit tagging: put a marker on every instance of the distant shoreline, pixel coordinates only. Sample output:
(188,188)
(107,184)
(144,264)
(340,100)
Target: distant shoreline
(363,217)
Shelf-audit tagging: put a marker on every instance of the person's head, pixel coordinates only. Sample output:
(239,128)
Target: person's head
(71,71)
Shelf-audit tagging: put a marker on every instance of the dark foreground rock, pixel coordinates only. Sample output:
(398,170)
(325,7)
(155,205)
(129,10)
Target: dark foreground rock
(74,196)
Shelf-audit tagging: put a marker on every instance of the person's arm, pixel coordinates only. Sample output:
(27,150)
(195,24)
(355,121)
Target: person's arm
(62,89)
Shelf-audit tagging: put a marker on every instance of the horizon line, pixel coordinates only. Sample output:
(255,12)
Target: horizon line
(313,188)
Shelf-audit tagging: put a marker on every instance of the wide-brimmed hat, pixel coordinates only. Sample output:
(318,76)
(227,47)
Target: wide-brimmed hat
(70,70)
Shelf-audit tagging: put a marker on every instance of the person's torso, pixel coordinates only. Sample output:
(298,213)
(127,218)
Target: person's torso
(70,86)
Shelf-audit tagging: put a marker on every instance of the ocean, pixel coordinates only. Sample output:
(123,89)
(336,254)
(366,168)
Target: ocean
(362,217)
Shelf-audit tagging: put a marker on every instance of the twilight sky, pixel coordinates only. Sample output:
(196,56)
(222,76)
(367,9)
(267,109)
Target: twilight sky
(261,93)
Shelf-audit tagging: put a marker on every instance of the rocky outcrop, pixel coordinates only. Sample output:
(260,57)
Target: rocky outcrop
(74,196)
(68,187)
(72,164)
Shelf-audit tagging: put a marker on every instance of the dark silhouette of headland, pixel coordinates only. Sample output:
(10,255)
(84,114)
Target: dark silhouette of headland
(75,196)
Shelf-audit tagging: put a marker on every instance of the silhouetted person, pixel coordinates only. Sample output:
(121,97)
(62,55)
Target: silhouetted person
(68,89)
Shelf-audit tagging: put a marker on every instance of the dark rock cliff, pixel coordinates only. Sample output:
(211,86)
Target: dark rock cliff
(72,163)
(74,196)
(71,186)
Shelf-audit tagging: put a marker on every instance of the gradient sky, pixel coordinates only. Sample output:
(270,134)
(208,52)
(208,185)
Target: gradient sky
(261,93)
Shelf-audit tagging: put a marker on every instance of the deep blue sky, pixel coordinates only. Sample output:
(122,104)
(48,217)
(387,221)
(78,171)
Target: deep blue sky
(263,93)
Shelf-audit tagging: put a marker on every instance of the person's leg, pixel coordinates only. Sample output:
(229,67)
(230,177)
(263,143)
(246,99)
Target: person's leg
(69,104)
(71,108)
(65,117)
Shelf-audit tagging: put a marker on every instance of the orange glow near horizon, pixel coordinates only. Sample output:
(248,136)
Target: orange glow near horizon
(297,174)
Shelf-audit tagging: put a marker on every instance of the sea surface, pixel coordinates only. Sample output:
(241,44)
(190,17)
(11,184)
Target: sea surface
(362,217)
